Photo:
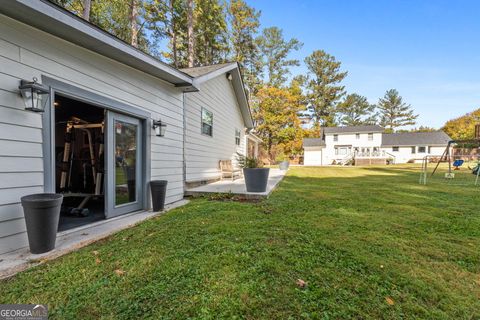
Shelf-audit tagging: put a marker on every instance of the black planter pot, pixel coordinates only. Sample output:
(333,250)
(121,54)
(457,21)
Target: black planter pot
(256,179)
(42,212)
(283,165)
(158,189)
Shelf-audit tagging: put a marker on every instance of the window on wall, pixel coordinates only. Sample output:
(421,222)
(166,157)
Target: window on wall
(429,149)
(370,137)
(395,149)
(237,137)
(357,135)
(413,150)
(422,149)
(207,122)
(335,137)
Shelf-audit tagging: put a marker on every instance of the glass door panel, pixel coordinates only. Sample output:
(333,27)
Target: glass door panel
(124,165)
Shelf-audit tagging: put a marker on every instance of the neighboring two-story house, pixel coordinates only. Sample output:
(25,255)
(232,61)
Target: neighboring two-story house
(370,145)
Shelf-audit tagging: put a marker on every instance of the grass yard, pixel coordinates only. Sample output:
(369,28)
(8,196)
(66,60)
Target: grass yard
(369,243)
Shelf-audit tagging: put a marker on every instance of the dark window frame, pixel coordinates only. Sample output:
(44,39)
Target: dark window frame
(206,128)
(238,136)
(422,148)
(395,149)
(335,137)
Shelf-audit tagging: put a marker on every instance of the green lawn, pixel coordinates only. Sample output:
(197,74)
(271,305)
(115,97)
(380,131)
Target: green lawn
(369,243)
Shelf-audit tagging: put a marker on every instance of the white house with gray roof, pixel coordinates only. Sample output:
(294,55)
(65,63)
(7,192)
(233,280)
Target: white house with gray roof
(370,145)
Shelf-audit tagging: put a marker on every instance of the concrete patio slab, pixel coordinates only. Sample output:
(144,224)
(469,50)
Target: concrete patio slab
(237,187)
(70,240)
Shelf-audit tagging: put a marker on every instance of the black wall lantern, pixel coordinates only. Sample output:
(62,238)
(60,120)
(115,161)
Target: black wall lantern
(159,128)
(34,95)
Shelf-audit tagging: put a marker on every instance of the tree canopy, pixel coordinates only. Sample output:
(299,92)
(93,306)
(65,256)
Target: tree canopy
(187,33)
(462,128)
(355,110)
(395,113)
(324,89)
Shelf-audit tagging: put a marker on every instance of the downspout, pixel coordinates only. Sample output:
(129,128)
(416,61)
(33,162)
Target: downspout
(183,141)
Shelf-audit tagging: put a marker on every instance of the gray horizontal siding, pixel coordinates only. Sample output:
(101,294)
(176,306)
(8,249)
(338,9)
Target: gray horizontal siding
(203,152)
(24,56)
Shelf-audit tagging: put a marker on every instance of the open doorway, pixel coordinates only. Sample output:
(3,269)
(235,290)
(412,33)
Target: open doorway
(79,161)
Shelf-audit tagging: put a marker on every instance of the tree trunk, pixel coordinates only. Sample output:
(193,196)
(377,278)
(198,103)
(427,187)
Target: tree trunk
(87,5)
(173,31)
(133,23)
(190,37)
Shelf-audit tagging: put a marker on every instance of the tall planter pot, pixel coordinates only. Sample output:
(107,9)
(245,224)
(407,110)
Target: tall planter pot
(256,179)
(283,165)
(159,190)
(42,212)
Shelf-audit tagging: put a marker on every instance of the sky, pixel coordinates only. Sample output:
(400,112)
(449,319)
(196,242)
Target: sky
(429,50)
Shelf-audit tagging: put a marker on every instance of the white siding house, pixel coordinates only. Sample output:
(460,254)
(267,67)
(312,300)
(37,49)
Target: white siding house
(221,96)
(85,68)
(339,145)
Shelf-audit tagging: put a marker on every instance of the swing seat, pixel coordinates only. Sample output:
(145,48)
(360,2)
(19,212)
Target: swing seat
(458,163)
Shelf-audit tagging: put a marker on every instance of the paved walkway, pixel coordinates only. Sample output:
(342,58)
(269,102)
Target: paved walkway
(70,240)
(237,187)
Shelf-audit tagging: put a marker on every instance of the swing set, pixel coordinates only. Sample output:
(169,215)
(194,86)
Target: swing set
(459,163)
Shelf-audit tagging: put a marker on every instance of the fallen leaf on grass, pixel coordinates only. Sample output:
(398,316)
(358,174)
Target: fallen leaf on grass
(389,301)
(95,252)
(301,283)
(119,272)
(98,261)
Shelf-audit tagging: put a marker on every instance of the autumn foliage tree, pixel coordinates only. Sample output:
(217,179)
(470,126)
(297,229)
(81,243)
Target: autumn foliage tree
(463,127)
(277,119)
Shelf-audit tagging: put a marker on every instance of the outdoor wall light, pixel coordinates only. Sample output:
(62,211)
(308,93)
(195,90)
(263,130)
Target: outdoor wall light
(229,76)
(34,95)
(159,127)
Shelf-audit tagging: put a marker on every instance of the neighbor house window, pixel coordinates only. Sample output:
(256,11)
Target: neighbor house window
(429,149)
(413,149)
(207,122)
(357,135)
(370,137)
(335,137)
(237,137)
(395,148)
(422,149)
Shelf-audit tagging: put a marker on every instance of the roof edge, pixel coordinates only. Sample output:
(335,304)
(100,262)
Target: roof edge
(238,88)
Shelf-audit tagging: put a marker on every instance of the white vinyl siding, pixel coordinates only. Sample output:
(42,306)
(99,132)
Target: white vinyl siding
(203,152)
(26,52)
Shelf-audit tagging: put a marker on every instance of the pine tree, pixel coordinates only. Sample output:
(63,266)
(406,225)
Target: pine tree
(355,110)
(323,86)
(210,32)
(190,35)
(395,113)
(275,50)
(244,24)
